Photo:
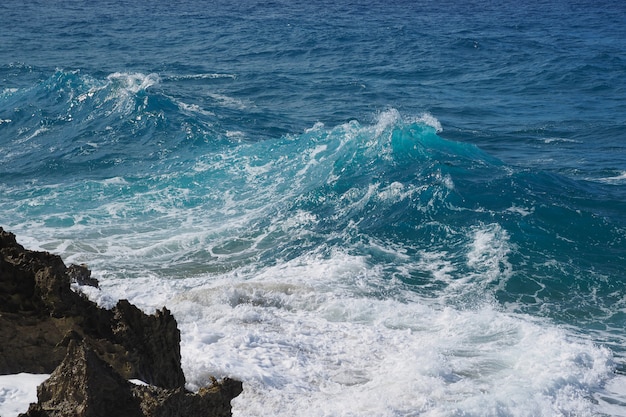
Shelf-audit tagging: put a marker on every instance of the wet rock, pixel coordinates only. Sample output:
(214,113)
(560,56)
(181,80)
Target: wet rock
(212,401)
(81,275)
(152,344)
(84,385)
(39,313)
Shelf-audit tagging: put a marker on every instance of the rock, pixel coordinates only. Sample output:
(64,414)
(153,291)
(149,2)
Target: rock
(158,402)
(32,281)
(84,385)
(39,313)
(81,275)
(45,325)
(34,294)
(152,343)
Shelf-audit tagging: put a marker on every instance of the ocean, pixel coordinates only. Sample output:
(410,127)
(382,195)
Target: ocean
(381,208)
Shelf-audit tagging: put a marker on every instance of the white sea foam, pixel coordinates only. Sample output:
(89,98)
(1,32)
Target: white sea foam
(124,88)
(303,346)
(115,181)
(32,135)
(489,252)
(394,192)
(385,120)
(235,134)
(520,210)
(617,179)
(134,82)
(316,127)
(430,120)
(205,76)
(18,391)
(612,398)
(311,159)
(308,337)
(314,336)
(560,140)
(229,102)
(194,108)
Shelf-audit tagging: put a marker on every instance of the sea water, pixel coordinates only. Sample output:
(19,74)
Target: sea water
(356,208)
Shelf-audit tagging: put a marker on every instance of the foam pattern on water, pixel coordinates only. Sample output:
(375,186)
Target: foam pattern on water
(368,267)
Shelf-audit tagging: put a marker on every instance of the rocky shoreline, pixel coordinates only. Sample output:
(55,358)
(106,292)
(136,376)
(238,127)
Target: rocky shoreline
(90,352)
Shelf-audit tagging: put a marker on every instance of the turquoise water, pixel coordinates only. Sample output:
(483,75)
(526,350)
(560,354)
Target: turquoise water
(333,196)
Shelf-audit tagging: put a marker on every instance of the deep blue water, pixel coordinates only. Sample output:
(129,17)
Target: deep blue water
(409,155)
